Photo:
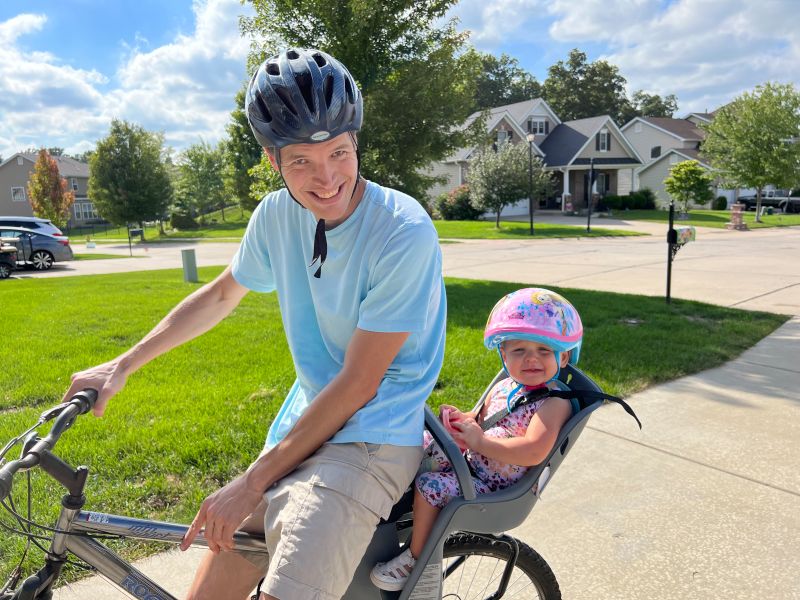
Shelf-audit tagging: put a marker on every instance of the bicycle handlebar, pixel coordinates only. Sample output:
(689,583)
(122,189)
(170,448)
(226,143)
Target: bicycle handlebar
(79,404)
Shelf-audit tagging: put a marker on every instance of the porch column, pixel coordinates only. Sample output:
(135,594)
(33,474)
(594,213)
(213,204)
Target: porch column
(566,197)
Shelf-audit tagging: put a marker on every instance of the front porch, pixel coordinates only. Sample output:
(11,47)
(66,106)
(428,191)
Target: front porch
(572,185)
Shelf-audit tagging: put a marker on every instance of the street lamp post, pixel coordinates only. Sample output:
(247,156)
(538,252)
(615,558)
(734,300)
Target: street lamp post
(530,138)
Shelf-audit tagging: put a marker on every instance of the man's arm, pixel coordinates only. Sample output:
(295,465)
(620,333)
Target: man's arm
(368,356)
(195,315)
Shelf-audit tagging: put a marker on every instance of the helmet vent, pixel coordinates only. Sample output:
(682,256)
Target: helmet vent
(349,89)
(327,87)
(292,55)
(273,69)
(287,100)
(305,83)
(320,60)
(262,107)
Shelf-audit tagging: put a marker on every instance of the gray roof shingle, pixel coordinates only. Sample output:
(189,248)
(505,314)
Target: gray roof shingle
(67,167)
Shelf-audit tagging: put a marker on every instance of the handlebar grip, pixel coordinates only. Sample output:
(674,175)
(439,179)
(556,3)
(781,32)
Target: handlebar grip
(86,399)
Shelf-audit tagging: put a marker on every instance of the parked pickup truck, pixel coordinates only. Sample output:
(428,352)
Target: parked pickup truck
(768,198)
(791,204)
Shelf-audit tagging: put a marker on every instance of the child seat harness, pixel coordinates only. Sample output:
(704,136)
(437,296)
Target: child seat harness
(537,394)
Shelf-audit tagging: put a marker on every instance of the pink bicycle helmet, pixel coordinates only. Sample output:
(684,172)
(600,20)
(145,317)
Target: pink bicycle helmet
(538,315)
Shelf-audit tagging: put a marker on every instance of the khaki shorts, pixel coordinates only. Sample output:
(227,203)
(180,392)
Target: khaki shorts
(319,519)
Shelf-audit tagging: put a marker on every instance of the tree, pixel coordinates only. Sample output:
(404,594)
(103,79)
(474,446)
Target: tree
(418,85)
(497,178)
(265,180)
(643,104)
(128,180)
(753,141)
(502,81)
(200,188)
(577,89)
(241,153)
(48,192)
(689,183)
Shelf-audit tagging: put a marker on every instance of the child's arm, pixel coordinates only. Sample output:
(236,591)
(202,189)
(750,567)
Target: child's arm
(525,451)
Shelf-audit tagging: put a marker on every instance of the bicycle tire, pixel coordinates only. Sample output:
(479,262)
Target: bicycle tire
(476,580)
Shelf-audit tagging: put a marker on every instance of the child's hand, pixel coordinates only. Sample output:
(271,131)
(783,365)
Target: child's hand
(467,433)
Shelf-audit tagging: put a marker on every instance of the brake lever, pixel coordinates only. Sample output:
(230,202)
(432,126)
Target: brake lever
(52,412)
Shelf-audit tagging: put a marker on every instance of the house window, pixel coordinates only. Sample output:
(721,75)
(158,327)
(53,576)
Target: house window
(74,183)
(673,160)
(19,161)
(605,141)
(538,126)
(655,151)
(638,127)
(18,194)
(84,211)
(503,136)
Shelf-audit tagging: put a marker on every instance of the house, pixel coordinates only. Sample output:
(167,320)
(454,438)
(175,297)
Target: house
(15,172)
(566,149)
(664,142)
(574,148)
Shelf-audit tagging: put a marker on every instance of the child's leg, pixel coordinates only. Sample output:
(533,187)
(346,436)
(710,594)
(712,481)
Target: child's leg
(424,517)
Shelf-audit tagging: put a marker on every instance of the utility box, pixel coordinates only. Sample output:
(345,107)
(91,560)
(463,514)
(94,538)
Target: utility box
(189,265)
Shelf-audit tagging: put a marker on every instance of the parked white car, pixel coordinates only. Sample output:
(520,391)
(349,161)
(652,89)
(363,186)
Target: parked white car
(33,223)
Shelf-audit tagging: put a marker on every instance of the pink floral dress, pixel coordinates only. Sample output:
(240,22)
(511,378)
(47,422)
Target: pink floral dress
(439,485)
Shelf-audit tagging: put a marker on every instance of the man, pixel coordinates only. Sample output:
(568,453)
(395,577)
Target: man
(357,270)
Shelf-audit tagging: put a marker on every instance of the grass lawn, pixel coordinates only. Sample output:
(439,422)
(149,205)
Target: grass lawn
(708,218)
(192,419)
(486,230)
(99,256)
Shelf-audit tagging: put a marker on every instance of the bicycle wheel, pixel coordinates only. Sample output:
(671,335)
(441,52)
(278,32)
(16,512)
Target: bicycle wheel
(474,565)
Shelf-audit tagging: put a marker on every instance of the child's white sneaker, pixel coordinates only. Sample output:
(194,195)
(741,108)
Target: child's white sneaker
(391,576)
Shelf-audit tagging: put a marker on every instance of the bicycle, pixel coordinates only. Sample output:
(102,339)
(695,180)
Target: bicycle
(467,531)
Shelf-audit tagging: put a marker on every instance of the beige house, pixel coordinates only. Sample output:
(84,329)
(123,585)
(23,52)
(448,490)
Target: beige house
(505,124)
(566,148)
(14,175)
(663,142)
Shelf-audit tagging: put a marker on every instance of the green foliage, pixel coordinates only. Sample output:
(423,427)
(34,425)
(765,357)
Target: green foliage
(199,188)
(643,199)
(720,203)
(129,181)
(265,180)
(752,142)
(48,192)
(499,178)
(456,205)
(241,153)
(182,222)
(643,104)
(576,89)
(502,81)
(689,183)
(417,83)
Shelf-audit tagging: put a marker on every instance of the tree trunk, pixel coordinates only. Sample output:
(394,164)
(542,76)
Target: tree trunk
(758,205)
(141,226)
(223,212)
(497,219)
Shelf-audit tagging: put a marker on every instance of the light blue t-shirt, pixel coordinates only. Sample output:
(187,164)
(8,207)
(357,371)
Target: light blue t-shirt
(383,273)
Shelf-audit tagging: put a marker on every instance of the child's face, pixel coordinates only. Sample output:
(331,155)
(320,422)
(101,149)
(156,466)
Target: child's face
(531,363)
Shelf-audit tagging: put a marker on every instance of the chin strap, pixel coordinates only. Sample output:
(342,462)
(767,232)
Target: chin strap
(320,248)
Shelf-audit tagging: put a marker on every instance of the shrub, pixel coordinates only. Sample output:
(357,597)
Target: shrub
(455,206)
(182,222)
(612,202)
(645,199)
(720,203)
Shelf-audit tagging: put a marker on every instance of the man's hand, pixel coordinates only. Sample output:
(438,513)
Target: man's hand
(222,513)
(107,379)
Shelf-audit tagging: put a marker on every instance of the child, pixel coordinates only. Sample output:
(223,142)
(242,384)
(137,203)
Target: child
(536,332)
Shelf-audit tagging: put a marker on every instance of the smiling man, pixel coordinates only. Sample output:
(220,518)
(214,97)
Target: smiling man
(357,270)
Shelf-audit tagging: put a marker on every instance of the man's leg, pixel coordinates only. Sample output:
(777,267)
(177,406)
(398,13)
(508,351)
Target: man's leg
(229,575)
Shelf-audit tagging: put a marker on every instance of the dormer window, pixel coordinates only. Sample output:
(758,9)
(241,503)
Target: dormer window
(538,126)
(603,141)
(503,136)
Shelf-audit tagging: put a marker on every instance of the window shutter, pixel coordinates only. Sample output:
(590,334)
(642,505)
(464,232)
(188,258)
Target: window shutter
(510,135)
(530,124)
(597,142)
(546,127)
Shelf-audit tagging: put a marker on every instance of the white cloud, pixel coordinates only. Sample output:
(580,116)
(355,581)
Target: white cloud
(704,51)
(185,88)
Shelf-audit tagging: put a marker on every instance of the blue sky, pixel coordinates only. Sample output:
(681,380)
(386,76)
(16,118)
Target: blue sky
(67,67)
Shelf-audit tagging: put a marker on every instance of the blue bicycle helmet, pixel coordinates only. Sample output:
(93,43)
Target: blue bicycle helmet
(302,96)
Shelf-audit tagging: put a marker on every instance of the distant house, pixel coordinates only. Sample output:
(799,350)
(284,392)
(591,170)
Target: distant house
(663,142)
(566,149)
(15,172)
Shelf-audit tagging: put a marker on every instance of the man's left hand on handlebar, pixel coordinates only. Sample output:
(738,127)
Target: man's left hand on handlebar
(222,513)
